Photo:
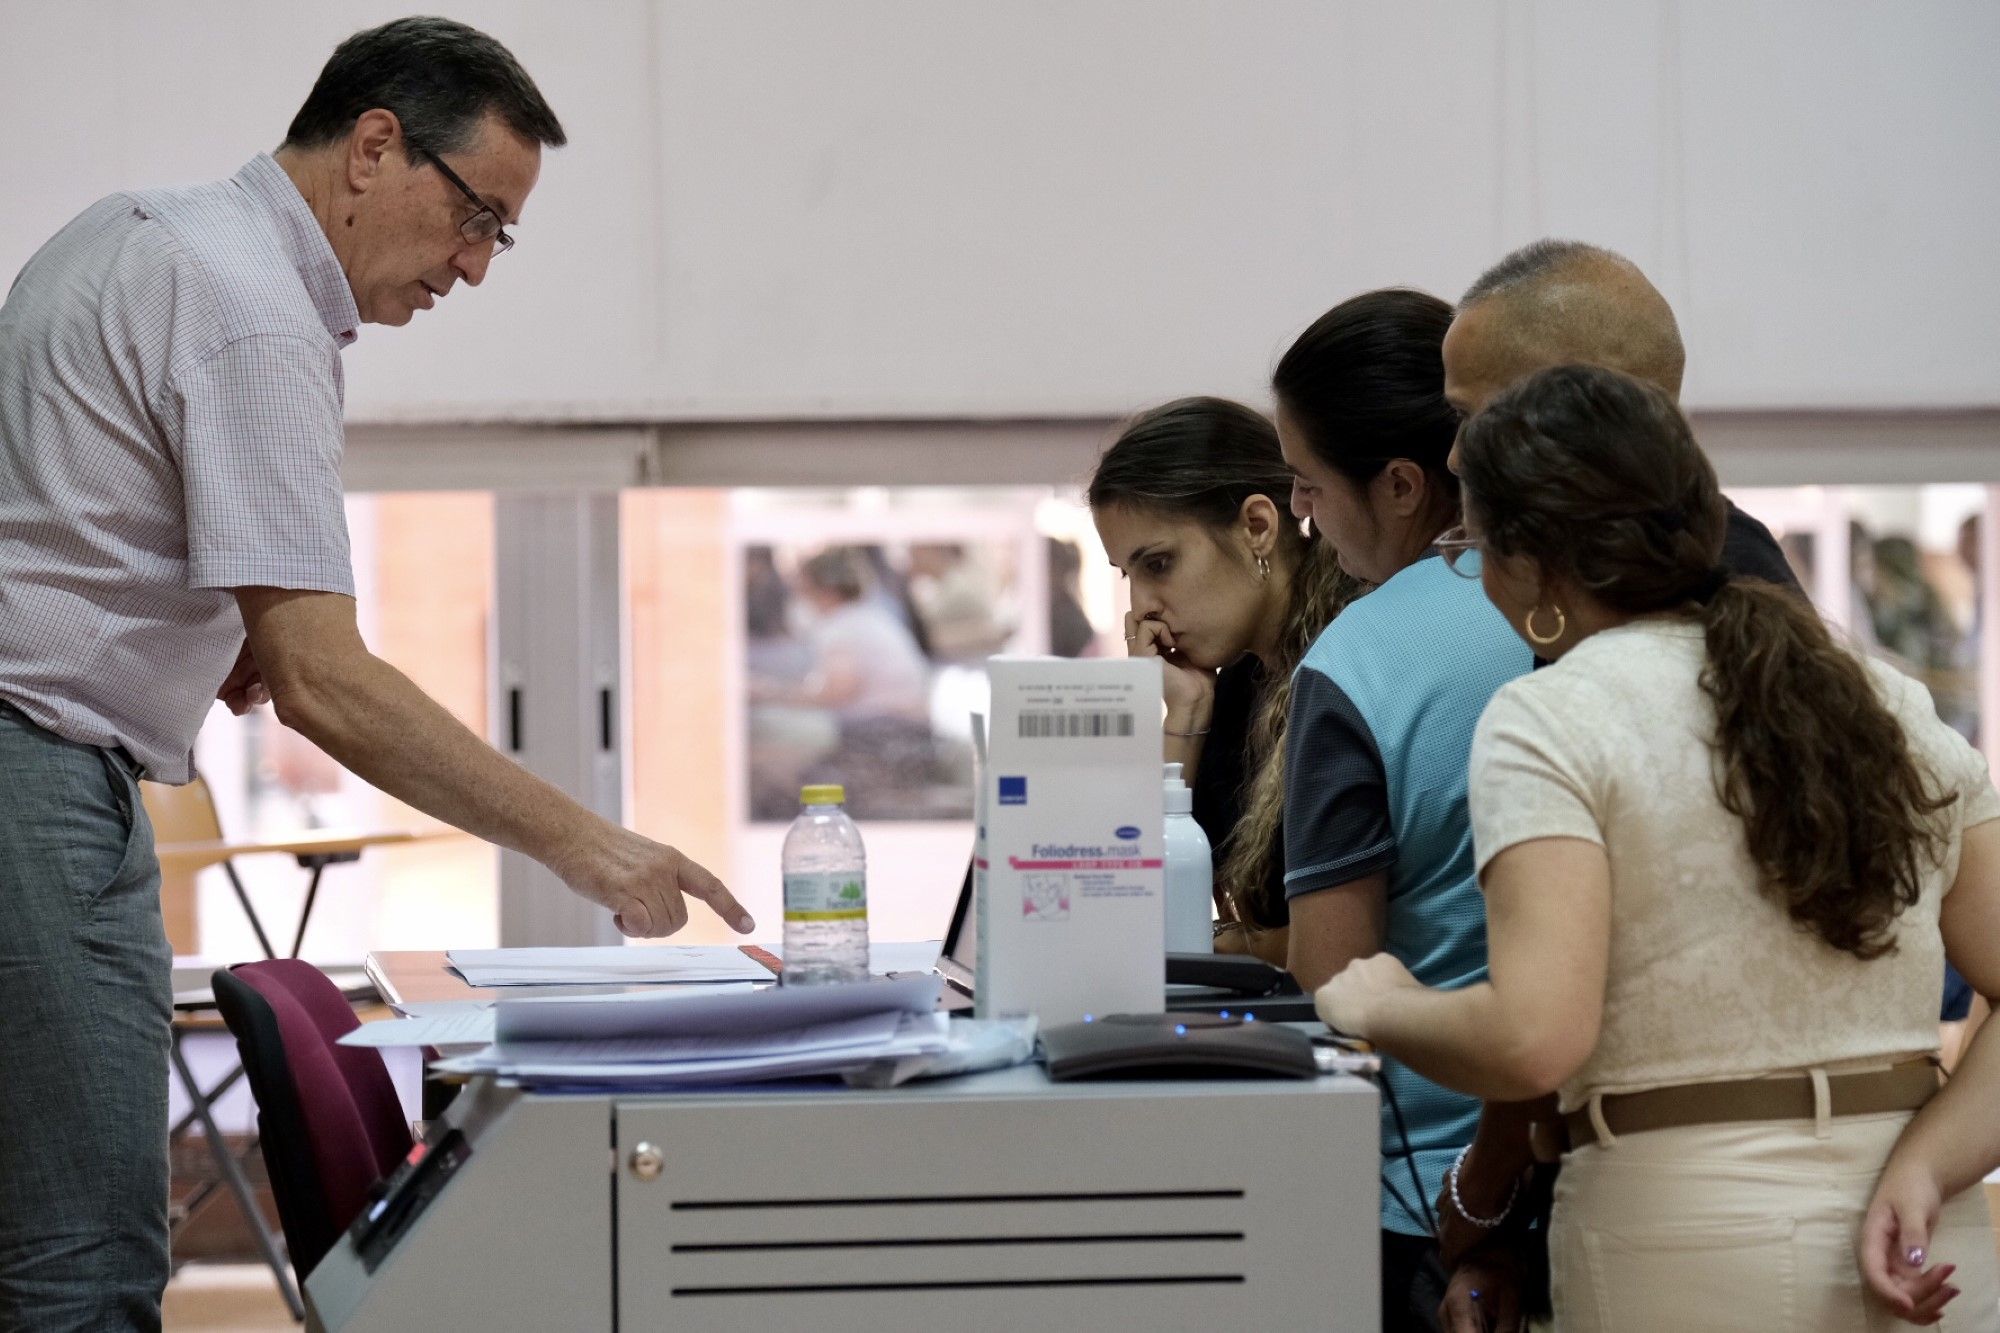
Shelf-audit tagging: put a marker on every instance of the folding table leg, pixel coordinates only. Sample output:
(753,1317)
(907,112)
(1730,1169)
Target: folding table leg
(256,922)
(196,1097)
(305,913)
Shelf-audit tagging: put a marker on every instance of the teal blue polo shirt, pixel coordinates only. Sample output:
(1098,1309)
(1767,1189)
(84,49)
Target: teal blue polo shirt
(1377,743)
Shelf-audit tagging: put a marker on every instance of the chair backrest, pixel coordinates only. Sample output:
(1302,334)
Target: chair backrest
(182,814)
(327,1115)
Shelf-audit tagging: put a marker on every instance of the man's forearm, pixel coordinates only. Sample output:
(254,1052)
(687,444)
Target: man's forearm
(376,722)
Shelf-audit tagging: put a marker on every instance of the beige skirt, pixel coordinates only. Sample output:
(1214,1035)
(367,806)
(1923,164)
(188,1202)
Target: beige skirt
(1744,1227)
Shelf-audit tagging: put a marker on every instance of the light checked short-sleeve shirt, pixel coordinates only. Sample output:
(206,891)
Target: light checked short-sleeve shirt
(170,429)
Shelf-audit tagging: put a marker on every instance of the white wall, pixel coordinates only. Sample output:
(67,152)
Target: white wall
(885,208)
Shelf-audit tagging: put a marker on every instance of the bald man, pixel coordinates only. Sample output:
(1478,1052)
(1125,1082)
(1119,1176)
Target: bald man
(1548,304)
(1556,303)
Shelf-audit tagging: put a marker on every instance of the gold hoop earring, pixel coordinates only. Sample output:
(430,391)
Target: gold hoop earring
(1263,569)
(1536,637)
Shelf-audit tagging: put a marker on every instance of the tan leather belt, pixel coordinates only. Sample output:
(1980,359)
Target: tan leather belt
(1905,1087)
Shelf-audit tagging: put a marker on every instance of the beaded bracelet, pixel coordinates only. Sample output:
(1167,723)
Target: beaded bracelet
(1483,1223)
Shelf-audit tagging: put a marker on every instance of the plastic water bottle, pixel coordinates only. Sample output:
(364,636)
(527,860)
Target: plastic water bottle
(826,893)
(1190,872)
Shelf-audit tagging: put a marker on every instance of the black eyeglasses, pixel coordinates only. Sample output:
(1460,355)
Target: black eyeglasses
(1455,544)
(481,227)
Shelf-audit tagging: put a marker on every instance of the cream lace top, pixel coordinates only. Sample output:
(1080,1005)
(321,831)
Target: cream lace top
(1708,978)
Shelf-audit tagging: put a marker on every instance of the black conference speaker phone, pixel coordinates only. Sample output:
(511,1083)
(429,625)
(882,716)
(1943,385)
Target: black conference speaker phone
(1176,1046)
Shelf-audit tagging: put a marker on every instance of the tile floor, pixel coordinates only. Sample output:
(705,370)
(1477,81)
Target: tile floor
(225,1298)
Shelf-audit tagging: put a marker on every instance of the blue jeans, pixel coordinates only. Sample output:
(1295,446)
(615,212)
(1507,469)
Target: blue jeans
(85,1017)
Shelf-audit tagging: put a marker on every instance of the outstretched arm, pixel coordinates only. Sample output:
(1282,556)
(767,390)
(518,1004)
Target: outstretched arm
(367,715)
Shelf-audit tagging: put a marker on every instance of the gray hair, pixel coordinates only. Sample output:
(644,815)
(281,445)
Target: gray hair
(1535,261)
(1566,302)
(438,77)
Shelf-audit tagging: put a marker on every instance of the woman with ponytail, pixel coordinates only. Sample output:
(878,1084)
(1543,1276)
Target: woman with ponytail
(1378,842)
(1227,589)
(1725,859)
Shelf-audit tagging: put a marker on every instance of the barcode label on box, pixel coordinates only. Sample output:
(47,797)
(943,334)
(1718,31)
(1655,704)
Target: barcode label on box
(1041,726)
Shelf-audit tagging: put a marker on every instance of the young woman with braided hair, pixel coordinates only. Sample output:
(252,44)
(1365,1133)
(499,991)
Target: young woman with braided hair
(1724,859)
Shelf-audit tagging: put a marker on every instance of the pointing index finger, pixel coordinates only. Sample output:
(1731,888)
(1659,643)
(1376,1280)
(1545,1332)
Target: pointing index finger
(698,882)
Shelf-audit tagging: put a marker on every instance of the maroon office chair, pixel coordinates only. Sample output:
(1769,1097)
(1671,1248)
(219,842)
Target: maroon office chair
(327,1115)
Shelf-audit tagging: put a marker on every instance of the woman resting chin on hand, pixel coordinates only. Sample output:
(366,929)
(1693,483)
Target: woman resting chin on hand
(1227,590)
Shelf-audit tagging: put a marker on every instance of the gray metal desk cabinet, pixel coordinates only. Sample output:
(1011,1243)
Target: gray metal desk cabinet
(996,1202)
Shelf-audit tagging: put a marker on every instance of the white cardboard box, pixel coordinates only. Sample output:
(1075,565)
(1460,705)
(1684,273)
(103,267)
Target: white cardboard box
(1070,892)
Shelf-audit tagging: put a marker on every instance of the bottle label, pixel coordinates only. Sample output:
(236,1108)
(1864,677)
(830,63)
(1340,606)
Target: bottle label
(826,896)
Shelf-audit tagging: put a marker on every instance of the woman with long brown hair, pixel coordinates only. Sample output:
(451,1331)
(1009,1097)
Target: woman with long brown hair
(1228,590)
(1724,859)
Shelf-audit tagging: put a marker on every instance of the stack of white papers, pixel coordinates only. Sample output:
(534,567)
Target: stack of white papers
(821,1030)
(975,1044)
(438,1023)
(695,1037)
(660,1062)
(614,964)
(707,1010)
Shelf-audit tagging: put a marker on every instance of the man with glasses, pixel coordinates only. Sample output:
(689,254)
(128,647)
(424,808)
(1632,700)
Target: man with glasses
(1556,302)
(484,224)
(172,532)
(1549,303)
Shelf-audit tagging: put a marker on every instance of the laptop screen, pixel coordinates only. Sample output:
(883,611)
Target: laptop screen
(961,943)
